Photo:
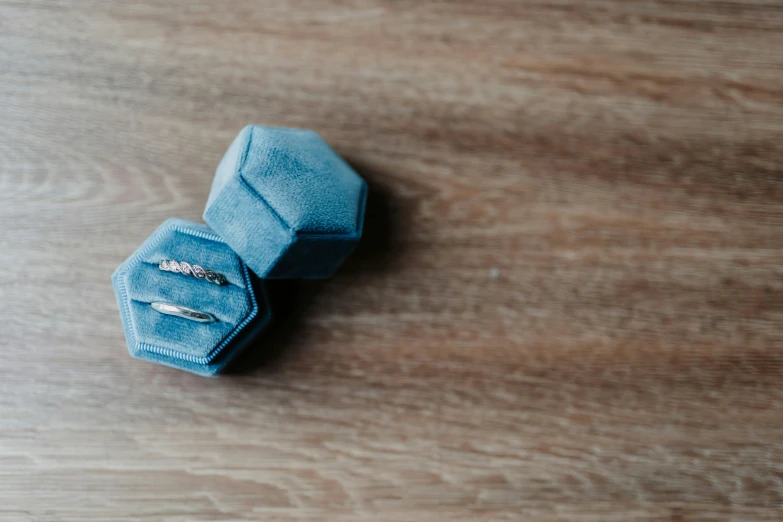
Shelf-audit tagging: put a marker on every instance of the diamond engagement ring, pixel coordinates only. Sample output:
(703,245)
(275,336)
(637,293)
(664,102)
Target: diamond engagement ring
(183,267)
(183,312)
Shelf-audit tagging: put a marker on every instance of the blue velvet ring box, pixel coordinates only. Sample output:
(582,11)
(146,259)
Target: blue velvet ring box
(283,204)
(240,305)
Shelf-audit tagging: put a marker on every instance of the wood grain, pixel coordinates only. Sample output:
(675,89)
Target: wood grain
(567,305)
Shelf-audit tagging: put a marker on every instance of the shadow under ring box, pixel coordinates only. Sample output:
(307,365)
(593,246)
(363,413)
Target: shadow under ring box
(283,205)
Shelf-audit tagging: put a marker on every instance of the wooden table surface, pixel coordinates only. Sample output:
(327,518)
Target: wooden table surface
(567,306)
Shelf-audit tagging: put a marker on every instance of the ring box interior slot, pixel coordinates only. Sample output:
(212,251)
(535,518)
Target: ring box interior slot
(283,205)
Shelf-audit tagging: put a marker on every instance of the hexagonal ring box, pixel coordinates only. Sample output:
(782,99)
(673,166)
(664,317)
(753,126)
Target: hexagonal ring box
(283,204)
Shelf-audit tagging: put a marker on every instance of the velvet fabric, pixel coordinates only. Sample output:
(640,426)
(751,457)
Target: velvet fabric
(240,305)
(286,203)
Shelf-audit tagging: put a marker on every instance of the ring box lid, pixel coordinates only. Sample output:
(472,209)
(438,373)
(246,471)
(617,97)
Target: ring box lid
(286,203)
